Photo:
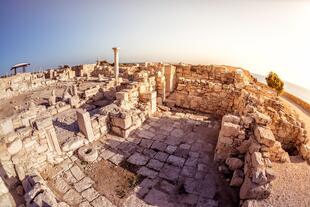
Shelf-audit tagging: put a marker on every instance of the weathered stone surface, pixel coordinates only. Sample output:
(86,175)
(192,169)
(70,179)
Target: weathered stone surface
(117,159)
(3,188)
(90,194)
(84,123)
(257,159)
(85,204)
(77,172)
(155,164)
(158,198)
(177,161)
(234,163)
(170,172)
(134,201)
(229,129)
(83,184)
(102,201)
(264,136)
(231,118)
(15,147)
(72,144)
(206,202)
(161,156)
(72,197)
(261,118)
(259,176)
(6,126)
(170,149)
(250,190)
(138,159)
(147,172)
(237,178)
(61,185)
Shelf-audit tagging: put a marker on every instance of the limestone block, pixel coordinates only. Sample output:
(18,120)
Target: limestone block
(234,163)
(3,188)
(52,137)
(259,176)
(231,118)
(261,118)
(6,126)
(44,123)
(73,143)
(257,159)
(74,101)
(237,178)
(84,123)
(229,129)
(264,136)
(123,123)
(250,190)
(15,146)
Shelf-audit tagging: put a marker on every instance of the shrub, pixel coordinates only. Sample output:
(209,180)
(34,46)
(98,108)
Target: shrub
(274,82)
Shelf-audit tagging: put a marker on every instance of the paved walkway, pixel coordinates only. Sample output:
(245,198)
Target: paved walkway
(174,154)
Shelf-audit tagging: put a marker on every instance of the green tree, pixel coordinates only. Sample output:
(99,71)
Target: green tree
(273,81)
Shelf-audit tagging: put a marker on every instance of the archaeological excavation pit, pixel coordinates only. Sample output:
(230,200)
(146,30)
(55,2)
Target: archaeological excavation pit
(148,134)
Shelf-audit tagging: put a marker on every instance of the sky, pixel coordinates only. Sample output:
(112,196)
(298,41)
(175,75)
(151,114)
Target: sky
(259,36)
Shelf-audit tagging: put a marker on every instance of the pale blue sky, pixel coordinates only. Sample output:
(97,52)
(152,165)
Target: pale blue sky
(257,35)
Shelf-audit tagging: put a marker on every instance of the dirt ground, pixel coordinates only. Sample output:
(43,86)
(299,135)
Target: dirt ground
(112,181)
(292,186)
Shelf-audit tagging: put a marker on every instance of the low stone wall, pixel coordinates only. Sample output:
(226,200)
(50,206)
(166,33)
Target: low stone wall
(205,96)
(297,101)
(21,83)
(247,148)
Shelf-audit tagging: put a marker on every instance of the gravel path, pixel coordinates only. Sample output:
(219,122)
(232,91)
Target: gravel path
(292,186)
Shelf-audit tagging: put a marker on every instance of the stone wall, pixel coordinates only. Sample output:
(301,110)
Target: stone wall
(21,83)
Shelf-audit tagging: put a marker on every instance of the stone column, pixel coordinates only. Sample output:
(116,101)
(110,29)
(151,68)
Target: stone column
(116,68)
(84,122)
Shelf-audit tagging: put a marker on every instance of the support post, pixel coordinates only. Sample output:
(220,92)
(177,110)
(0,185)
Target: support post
(116,66)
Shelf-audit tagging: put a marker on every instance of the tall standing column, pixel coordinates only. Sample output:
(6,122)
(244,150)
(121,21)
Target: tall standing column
(116,68)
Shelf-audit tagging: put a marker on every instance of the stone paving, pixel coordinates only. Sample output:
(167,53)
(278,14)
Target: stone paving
(174,153)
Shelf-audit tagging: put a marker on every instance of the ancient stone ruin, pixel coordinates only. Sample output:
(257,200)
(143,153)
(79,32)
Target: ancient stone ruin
(146,134)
